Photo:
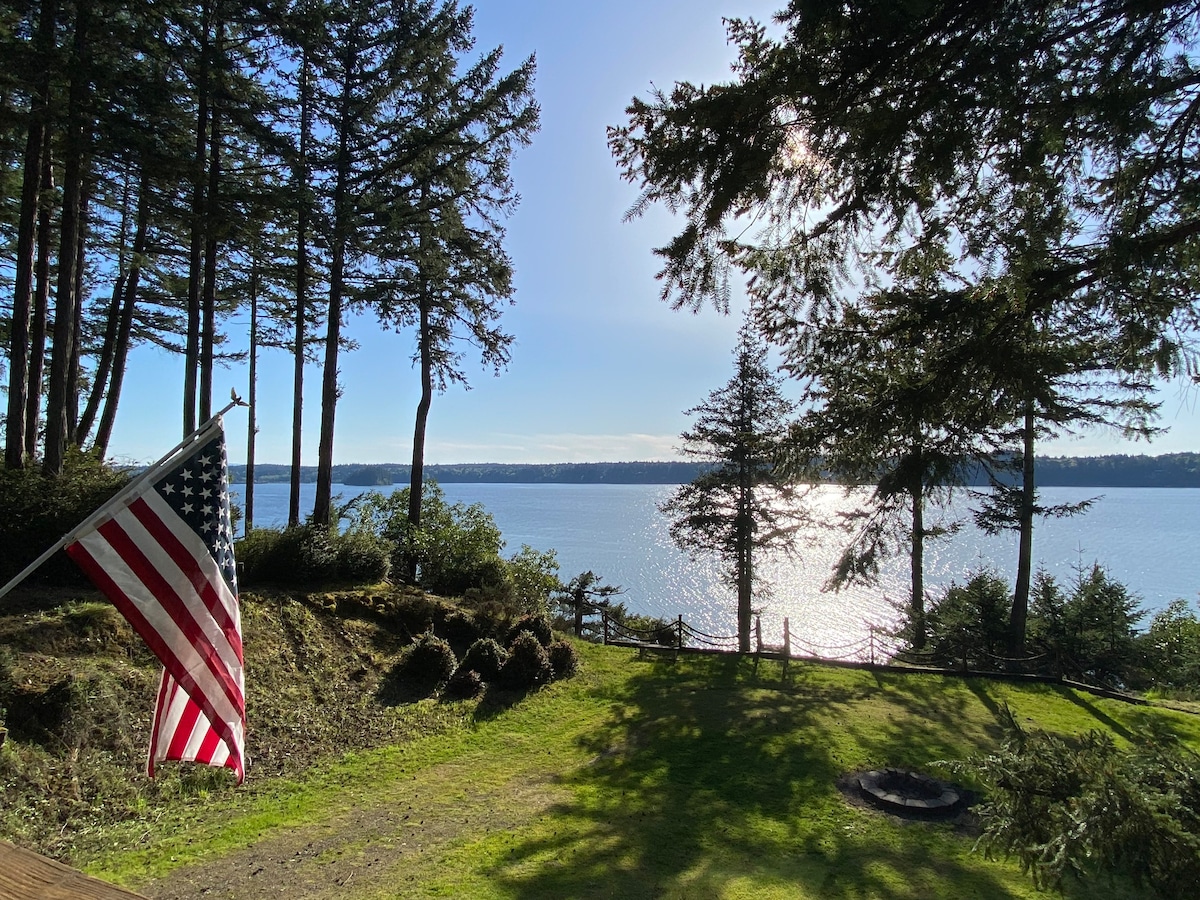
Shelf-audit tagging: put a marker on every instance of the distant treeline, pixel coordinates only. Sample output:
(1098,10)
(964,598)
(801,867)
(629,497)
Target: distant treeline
(1169,470)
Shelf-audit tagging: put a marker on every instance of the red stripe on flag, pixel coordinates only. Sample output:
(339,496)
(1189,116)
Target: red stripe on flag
(208,746)
(161,706)
(155,642)
(183,558)
(183,731)
(174,606)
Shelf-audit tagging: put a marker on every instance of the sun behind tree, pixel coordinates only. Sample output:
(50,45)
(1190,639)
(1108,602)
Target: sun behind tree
(739,505)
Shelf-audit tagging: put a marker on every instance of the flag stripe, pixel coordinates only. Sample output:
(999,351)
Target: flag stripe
(163,599)
(189,736)
(225,724)
(172,570)
(183,724)
(199,569)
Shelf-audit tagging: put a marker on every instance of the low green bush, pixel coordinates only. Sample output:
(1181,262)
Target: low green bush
(564,659)
(537,624)
(36,511)
(428,661)
(464,684)
(527,665)
(1080,805)
(486,657)
(306,555)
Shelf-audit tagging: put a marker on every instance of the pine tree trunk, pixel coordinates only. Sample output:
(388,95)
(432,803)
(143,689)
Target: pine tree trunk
(41,307)
(916,609)
(36,155)
(302,216)
(1020,607)
(58,402)
(125,325)
(191,352)
(745,554)
(112,322)
(75,369)
(323,504)
(416,483)
(251,425)
(208,303)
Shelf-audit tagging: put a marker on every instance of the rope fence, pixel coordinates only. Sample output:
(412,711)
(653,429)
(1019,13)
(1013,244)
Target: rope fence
(878,647)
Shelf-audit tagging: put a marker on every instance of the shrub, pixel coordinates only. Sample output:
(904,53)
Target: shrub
(464,684)
(456,548)
(428,661)
(305,555)
(537,625)
(533,579)
(564,660)
(362,558)
(527,665)
(969,624)
(461,629)
(1080,805)
(36,510)
(297,555)
(1091,632)
(486,657)
(1170,648)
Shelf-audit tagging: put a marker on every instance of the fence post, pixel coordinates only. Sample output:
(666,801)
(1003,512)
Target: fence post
(757,634)
(787,638)
(679,633)
(604,620)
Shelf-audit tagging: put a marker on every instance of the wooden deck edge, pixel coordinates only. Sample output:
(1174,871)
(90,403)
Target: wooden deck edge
(25,875)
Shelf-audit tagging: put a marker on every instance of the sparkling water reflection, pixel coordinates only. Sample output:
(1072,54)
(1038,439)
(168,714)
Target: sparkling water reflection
(1146,537)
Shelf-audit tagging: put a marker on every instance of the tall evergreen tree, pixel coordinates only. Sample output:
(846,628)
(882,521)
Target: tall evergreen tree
(741,503)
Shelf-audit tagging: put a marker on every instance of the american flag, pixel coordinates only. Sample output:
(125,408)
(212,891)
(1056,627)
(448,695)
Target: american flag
(163,554)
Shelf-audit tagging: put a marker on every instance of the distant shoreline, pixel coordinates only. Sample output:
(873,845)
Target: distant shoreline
(1172,470)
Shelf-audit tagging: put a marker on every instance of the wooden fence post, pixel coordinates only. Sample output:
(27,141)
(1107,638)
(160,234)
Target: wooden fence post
(758,634)
(679,633)
(787,638)
(604,620)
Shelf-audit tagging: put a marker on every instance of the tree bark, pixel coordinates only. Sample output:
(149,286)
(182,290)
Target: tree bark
(300,326)
(36,154)
(58,402)
(199,221)
(252,394)
(41,307)
(322,505)
(416,483)
(125,324)
(1020,607)
(76,367)
(917,569)
(208,303)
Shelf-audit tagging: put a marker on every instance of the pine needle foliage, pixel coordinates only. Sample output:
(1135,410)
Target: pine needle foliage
(1081,806)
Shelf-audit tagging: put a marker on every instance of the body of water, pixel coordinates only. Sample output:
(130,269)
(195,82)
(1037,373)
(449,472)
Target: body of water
(1147,538)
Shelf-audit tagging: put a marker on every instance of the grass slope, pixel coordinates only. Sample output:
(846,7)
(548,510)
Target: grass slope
(696,777)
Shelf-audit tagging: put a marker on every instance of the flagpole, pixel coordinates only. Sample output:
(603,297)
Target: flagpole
(118,497)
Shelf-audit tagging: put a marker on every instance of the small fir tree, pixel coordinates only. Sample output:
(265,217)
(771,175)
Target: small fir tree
(740,504)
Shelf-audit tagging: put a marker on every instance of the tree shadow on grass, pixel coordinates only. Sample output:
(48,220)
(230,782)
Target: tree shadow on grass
(707,781)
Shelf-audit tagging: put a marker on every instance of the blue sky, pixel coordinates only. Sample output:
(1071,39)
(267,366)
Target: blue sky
(602,370)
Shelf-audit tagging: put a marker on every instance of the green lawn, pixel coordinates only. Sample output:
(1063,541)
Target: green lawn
(699,777)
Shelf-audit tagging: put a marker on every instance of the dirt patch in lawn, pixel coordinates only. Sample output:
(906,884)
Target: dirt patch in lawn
(355,851)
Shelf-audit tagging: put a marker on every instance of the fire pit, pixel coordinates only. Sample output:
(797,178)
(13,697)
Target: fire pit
(899,790)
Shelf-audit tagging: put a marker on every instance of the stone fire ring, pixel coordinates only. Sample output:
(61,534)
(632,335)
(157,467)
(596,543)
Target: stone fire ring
(900,790)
